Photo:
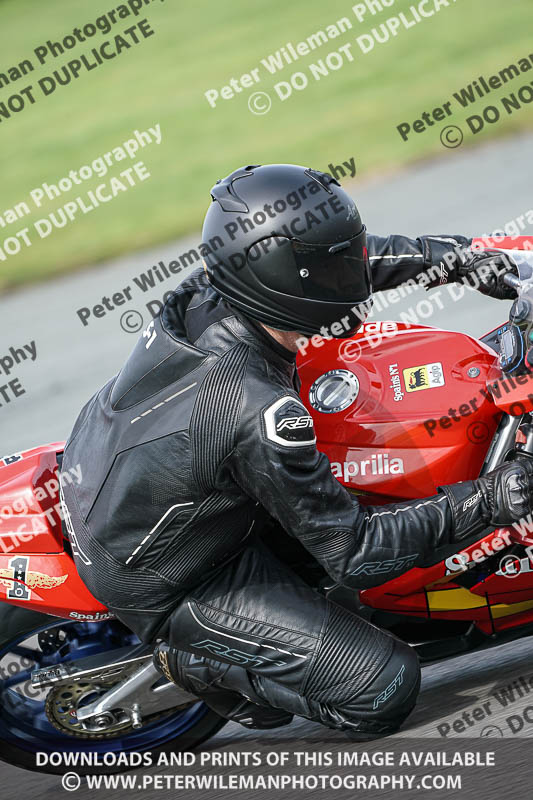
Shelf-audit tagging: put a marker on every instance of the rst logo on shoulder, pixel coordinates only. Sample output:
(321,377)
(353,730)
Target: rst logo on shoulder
(426,376)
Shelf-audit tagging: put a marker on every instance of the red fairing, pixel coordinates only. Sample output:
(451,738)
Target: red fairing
(36,572)
(503,243)
(399,410)
(420,415)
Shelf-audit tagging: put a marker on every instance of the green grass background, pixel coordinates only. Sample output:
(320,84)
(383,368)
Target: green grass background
(201,45)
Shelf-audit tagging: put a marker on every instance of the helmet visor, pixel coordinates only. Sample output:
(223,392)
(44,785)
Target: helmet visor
(338,272)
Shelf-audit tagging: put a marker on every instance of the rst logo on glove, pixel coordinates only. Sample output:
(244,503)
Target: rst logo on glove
(287,422)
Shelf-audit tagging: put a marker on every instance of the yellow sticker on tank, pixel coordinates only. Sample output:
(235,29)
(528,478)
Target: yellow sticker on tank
(426,376)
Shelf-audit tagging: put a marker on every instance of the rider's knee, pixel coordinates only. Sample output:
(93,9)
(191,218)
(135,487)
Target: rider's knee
(385,703)
(398,685)
(363,678)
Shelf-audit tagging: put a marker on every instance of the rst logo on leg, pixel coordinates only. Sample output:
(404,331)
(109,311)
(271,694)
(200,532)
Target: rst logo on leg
(390,690)
(231,654)
(287,422)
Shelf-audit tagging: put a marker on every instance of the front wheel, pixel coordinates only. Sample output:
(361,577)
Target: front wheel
(44,721)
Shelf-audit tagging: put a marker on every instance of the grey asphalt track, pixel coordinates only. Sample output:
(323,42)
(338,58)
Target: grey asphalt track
(463,191)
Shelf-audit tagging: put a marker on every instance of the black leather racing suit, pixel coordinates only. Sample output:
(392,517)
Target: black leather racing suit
(187,449)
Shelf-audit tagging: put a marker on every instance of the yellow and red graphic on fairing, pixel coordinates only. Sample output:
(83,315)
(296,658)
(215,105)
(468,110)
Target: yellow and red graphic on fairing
(19,579)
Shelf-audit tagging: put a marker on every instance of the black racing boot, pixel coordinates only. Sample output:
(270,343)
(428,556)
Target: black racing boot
(225,688)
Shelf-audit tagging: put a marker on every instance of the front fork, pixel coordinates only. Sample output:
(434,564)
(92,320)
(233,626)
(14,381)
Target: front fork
(503,443)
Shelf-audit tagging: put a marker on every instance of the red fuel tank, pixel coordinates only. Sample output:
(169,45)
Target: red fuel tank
(400,409)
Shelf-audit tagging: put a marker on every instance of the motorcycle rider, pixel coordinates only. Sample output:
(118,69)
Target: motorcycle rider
(201,438)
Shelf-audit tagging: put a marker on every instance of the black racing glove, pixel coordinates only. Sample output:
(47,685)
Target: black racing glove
(483,270)
(500,497)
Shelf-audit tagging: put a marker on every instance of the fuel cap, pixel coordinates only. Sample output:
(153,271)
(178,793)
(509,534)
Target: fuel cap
(334,391)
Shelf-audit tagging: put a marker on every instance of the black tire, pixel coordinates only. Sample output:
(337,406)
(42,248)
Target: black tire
(16,622)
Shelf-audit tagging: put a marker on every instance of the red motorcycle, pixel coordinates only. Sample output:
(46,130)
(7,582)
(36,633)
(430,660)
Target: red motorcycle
(399,409)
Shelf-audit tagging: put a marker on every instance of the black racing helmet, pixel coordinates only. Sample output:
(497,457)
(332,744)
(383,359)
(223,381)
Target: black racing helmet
(285,245)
